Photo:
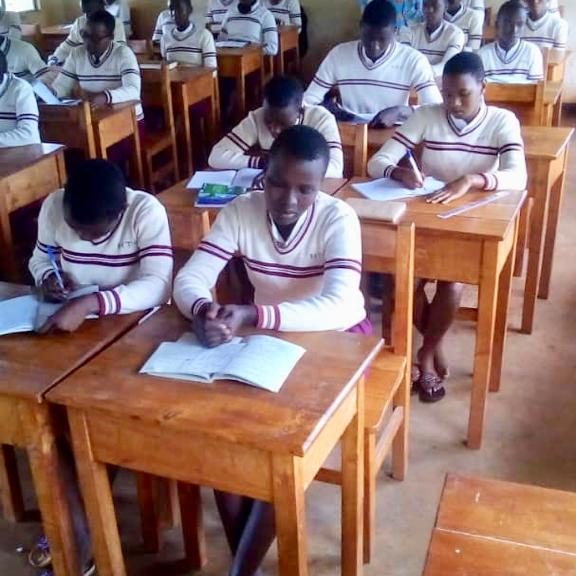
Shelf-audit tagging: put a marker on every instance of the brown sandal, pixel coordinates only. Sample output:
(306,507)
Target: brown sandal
(430,388)
(415,374)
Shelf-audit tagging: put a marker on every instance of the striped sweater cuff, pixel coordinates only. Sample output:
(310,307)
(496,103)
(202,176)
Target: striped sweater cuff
(388,171)
(268,317)
(490,181)
(197,305)
(108,302)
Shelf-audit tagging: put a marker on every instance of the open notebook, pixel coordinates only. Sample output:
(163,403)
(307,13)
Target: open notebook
(261,361)
(243,178)
(386,189)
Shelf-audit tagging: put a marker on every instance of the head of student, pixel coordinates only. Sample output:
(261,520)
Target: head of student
(282,103)
(298,161)
(537,8)
(181,11)
(94,199)
(463,85)
(509,23)
(90,6)
(433,13)
(377,28)
(245,6)
(99,32)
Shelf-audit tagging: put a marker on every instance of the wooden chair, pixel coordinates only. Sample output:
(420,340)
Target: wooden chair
(157,94)
(525,100)
(142,49)
(355,137)
(386,249)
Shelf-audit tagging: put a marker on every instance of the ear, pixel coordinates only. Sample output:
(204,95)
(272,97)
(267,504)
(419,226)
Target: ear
(484,82)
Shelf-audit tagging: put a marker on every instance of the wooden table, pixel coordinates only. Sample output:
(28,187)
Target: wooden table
(31,366)
(53,36)
(475,248)
(288,41)
(557,60)
(207,434)
(237,64)
(191,85)
(27,174)
(492,528)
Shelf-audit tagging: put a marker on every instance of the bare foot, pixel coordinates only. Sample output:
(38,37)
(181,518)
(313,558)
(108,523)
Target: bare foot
(440,363)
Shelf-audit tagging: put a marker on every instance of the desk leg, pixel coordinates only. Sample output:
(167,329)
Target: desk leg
(97,499)
(523,230)
(487,299)
(137,169)
(290,512)
(192,524)
(10,487)
(8,266)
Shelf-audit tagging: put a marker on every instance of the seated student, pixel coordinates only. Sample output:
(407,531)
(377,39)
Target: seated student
(10,24)
(477,5)
(375,74)
(469,146)
(105,72)
(248,145)
(120,9)
(18,110)
(23,59)
(215,14)
(285,12)
(75,35)
(183,41)
(468,20)
(544,28)
(249,21)
(437,39)
(511,59)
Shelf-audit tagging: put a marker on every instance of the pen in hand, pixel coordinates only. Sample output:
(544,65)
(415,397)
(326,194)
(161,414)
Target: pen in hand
(415,169)
(56,269)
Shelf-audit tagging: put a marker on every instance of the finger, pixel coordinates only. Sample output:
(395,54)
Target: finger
(48,326)
(212,312)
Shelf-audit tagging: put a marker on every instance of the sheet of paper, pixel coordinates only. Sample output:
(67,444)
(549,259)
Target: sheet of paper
(18,315)
(44,93)
(386,189)
(245,177)
(224,177)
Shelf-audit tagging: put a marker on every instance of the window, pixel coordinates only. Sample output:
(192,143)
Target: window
(21,5)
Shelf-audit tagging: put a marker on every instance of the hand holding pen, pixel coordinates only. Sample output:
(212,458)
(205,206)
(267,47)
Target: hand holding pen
(56,286)
(410,177)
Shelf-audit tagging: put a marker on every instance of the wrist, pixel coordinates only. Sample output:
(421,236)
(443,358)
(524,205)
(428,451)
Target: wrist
(250,316)
(89,303)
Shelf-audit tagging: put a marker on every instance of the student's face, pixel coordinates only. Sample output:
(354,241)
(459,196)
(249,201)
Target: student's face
(462,95)
(434,12)
(509,28)
(181,11)
(375,41)
(537,8)
(96,39)
(291,186)
(278,119)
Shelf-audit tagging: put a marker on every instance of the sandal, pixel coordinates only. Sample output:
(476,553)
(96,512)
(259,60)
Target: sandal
(90,570)
(40,556)
(430,388)
(415,374)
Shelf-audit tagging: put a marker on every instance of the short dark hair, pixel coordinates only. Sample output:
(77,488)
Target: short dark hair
(302,143)
(86,4)
(379,14)
(509,7)
(282,91)
(104,18)
(465,63)
(174,2)
(95,192)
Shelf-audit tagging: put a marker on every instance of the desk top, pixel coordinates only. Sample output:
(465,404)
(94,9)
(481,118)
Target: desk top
(492,221)
(286,422)
(58,30)
(31,364)
(239,52)
(99,113)
(184,73)
(13,160)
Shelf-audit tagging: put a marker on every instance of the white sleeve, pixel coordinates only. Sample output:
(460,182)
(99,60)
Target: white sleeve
(405,36)
(48,220)
(424,82)
(34,63)
(561,35)
(131,80)
(323,81)
(73,40)
(157,34)
(194,282)
(233,152)
(124,15)
(269,35)
(14,25)
(479,8)
(328,127)
(536,71)
(337,306)
(476,32)
(26,130)
(295,14)
(455,46)
(152,285)
(67,79)
(208,46)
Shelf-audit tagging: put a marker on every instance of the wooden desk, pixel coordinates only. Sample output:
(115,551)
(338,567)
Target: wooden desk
(53,36)
(503,528)
(237,64)
(191,85)
(31,366)
(475,248)
(207,435)
(27,174)
(557,60)
(288,41)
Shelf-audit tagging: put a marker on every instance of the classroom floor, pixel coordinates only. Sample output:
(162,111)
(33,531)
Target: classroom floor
(530,438)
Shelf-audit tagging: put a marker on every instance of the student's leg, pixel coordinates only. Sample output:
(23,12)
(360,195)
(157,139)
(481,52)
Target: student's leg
(234,512)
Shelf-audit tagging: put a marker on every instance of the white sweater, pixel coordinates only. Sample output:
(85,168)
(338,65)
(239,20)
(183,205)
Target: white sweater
(256,27)
(286,12)
(477,5)
(23,59)
(165,18)
(550,31)
(522,63)
(470,22)
(117,74)
(368,87)
(194,46)
(491,145)
(18,113)
(438,47)
(236,149)
(132,265)
(120,9)
(216,13)
(308,283)
(74,40)
(11,25)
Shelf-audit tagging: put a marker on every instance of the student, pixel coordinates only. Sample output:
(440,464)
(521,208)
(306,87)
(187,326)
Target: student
(184,41)
(248,145)
(545,29)
(10,24)
(468,20)
(511,59)
(468,145)
(437,39)
(23,59)
(74,39)
(121,10)
(375,74)
(216,13)
(249,21)
(105,72)
(286,12)
(477,5)
(18,110)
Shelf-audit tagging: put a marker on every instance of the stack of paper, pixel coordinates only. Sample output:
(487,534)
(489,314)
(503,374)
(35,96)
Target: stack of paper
(386,189)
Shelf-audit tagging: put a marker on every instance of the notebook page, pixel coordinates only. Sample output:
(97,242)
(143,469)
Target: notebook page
(386,189)
(245,177)
(223,177)
(18,315)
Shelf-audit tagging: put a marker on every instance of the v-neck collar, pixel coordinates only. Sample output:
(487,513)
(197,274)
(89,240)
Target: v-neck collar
(5,45)
(537,24)
(371,65)
(181,35)
(463,129)
(507,56)
(455,17)
(97,63)
(436,34)
(285,246)
(4,83)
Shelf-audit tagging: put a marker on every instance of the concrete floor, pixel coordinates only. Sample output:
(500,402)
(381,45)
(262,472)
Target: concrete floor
(530,438)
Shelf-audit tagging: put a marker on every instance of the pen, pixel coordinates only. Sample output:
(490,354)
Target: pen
(414,166)
(54,264)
